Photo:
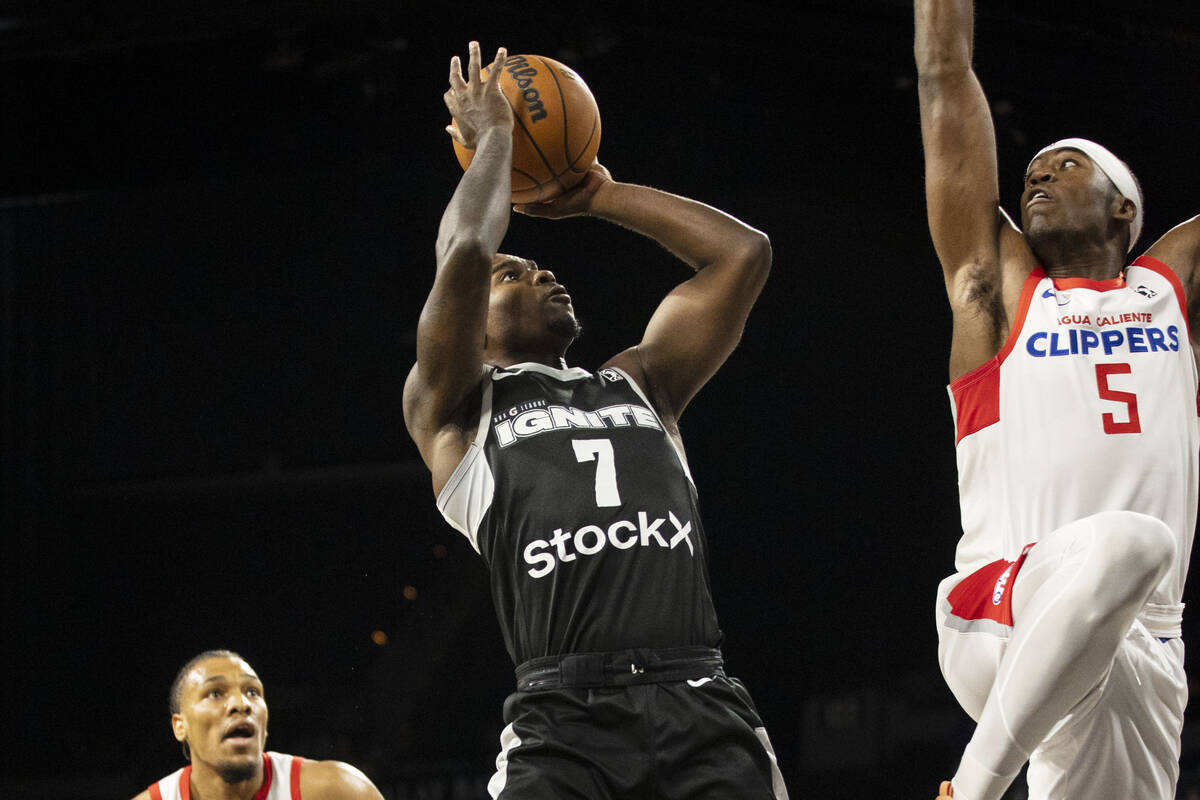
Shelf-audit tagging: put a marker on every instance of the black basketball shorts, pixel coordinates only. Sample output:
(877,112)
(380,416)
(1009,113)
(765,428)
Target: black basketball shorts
(698,739)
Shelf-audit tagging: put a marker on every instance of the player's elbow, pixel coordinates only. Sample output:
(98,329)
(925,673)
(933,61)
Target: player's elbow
(463,248)
(942,64)
(756,256)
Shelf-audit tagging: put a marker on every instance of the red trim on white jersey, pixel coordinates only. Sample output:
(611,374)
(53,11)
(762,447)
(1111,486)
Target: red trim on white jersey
(265,789)
(1106,285)
(178,785)
(977,393)
(1162,269)
(295,777)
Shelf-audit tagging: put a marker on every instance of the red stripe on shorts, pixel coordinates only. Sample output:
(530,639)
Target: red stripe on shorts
(986,592)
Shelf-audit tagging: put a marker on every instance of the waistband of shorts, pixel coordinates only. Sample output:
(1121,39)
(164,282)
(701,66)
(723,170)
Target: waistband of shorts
(619,668)
(1163,620)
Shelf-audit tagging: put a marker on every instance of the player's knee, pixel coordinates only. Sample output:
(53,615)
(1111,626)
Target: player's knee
(1134,545)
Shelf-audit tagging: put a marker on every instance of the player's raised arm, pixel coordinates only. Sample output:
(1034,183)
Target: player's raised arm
(450,333)
(1179,248)
(961,185)
(698,324)
(974,240)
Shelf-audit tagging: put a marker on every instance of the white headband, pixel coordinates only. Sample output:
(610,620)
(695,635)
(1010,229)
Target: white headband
(1111,166)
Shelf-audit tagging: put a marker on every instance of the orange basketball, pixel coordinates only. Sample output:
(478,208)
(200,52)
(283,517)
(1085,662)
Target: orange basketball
(556,127)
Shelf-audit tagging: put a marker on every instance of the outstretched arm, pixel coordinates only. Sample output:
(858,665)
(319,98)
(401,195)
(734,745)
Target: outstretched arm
(972,236)
(699,323)
(450,332)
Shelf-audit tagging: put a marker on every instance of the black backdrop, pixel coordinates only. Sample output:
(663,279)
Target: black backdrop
(217,233)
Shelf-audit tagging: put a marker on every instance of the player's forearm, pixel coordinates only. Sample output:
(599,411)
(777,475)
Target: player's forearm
(944,34)
(450,329)
(697,234)
(957,135)
(477,215)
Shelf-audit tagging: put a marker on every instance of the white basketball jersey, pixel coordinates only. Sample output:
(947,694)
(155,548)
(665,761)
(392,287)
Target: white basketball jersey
(1090,406)
(281,780)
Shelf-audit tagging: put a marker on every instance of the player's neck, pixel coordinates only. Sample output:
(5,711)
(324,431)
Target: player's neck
(1093,263)
(506,358)
(206,784)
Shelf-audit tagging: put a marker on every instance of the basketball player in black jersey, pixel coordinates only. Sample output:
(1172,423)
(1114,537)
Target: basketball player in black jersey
(574,489)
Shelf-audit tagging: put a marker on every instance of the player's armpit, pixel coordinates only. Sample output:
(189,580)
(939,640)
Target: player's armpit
(441,440)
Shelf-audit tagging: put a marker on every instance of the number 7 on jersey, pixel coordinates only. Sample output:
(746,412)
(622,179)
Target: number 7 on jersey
(600,451)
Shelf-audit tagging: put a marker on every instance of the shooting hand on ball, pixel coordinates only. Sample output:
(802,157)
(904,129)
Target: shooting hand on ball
(575,202)
(476,104)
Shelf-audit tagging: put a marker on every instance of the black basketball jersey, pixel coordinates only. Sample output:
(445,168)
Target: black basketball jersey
(585,511)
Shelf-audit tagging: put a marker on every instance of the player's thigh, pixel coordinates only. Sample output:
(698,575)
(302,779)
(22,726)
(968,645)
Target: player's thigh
(1108,540)
(711,743)
(1122,741)
(583,744)
(969,650)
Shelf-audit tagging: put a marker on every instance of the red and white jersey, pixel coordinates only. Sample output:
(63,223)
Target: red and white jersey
(1090,406)
(281,780)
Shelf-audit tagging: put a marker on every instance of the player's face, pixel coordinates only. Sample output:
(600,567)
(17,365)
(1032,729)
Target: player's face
(223,717)
(528,309)
(1065,192)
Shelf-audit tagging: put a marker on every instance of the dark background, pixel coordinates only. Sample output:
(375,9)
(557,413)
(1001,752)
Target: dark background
(216,233)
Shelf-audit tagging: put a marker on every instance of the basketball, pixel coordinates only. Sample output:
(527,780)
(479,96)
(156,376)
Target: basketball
(556,127)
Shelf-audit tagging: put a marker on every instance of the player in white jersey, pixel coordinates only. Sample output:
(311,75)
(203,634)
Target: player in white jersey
(1073,384)
(219,715)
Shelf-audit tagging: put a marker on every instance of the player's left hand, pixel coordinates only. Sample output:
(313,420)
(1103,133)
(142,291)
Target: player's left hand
(576,201)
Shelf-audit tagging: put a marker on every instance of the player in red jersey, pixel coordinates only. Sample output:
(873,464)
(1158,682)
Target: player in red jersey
(219,715)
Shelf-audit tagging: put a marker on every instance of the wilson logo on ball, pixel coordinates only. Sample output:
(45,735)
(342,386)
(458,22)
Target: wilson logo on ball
(518,67)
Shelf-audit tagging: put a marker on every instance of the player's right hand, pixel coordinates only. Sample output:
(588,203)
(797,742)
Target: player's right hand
(576,201)
(476,104)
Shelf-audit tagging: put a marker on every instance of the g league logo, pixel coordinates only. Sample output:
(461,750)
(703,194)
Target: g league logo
(610,375)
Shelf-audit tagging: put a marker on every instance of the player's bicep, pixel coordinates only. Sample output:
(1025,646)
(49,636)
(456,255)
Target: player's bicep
(335,780)
(698,325)
(418,408)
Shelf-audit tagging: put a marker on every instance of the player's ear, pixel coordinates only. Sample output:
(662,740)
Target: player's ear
(1126,209)
(179,727)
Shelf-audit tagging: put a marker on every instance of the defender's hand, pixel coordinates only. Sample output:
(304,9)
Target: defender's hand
(476,104)
(576,201)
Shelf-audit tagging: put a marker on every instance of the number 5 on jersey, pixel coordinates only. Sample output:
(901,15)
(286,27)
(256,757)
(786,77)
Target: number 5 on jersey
(600,451)
(1133,424)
